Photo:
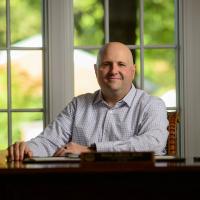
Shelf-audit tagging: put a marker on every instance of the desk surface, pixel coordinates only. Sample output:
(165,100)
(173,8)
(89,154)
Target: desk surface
(171,165)
(163,180)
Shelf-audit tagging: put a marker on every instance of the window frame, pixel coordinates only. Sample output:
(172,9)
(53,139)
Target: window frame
(8,48)
(61,73)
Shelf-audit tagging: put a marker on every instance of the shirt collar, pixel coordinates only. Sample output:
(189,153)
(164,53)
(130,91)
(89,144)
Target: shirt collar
(98,97)
(127,99)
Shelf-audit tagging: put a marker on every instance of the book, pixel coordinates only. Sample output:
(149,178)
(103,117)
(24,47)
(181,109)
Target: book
(98,157)
(69,159)
(117,157)
(168,158)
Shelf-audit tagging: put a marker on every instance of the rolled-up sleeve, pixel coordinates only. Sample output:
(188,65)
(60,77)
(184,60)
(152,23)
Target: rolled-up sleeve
(55,135)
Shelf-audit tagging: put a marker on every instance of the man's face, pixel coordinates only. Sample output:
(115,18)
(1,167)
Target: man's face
(116,69)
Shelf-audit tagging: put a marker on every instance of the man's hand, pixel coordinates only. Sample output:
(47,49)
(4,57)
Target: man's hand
(72,148)
(18,151)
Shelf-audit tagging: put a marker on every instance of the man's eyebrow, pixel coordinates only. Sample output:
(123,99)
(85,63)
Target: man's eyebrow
(122,62)
(106,61)
(109,62)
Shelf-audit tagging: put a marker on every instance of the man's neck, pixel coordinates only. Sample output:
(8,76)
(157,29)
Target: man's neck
(112,97)
(111,100)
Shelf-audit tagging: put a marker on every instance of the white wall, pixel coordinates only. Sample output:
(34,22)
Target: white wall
(191,67)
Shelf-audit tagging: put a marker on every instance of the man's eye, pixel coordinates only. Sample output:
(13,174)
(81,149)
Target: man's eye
(105,64)
(122,64)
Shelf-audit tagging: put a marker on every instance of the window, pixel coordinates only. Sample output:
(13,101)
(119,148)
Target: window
(22,82)
(181,25)
(147,27)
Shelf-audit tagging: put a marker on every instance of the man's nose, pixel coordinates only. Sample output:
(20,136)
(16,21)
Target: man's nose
(114,68)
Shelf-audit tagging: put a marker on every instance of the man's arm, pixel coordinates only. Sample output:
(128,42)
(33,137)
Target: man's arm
(55,135)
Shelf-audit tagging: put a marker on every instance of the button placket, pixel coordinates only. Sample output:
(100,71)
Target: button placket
(107,124)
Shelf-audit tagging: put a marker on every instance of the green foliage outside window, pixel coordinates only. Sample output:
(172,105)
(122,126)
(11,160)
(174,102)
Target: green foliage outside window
(88,26)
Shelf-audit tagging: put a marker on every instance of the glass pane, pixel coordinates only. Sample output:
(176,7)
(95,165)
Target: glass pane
(3,79)
(159,22)
(123,21)
(26,79)
(3,131)
(159,73)
(33,41)
(26,125)
(88,22)
(2,23)
(84,74)
(26,23)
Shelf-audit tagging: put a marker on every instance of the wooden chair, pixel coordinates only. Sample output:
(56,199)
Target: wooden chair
(173,119)
(3,155)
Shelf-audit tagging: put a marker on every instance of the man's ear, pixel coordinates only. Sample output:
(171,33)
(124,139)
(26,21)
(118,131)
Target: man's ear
(134,69)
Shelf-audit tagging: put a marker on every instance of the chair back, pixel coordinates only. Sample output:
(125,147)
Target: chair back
(173,119)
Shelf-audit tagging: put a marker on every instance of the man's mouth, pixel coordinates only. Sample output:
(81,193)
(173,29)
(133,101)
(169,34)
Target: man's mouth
(114,78)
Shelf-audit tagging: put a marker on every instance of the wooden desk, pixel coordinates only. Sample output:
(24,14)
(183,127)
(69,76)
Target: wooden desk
(165,180)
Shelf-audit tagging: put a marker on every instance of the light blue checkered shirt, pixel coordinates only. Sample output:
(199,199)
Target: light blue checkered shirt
(136,123)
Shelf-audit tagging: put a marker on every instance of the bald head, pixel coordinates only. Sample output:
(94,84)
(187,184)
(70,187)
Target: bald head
(114,46)
(115,71)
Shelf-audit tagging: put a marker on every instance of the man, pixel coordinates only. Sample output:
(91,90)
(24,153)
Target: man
(118,117)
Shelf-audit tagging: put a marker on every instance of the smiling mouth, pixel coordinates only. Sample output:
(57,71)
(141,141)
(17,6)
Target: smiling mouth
(114,78)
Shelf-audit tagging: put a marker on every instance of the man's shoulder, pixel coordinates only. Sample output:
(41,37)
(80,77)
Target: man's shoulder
(87,97)
(79,102)
(145,98)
